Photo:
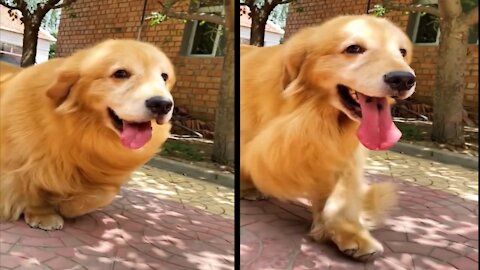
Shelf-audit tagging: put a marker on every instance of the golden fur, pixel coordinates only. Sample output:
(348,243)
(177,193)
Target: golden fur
(295,140)
(7,71)
(60,154)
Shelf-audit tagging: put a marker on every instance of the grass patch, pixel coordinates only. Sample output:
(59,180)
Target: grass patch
(419,133)
(412,132)
(187,150)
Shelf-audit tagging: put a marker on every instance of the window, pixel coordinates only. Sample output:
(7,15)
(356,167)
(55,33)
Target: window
(207,39)
(426,28)
(10,53)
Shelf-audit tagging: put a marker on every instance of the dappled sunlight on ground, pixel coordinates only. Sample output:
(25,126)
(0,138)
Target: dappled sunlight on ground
(435,225)
(153,224)
(449,178)
(203,195)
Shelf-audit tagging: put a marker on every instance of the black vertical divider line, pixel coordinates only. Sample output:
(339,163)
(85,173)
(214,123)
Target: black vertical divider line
(237,135)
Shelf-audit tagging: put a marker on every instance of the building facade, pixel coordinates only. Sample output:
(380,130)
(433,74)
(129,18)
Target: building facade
(11,39)
(273,32)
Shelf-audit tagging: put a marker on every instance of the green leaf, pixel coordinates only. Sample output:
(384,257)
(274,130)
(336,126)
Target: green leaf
(378,10)
(157,18)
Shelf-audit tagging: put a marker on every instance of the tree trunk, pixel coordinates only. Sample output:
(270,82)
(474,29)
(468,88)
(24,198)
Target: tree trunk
(30,41)
(224,142)
(450,82)
(257,30)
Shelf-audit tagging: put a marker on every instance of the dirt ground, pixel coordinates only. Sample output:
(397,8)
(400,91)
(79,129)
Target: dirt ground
(193,151)
(199,151)
(419,133)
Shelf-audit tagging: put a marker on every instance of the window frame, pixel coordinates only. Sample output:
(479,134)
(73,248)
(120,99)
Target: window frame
(415,33)
(221,9)
(437,40)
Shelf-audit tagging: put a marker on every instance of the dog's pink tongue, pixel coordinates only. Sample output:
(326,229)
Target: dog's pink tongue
(136,135)
(377,130)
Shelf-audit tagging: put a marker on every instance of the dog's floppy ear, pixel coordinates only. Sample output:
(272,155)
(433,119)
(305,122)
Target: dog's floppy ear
(59,89)
(292,75)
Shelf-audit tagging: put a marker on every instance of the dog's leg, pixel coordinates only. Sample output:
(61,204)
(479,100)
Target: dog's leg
(17,198)
(339,219)
(40,214)
(89,200)
(12,202)
(318,229)
(248,191)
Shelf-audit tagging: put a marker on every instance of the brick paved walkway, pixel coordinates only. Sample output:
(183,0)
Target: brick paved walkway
(434,227)
(161,220)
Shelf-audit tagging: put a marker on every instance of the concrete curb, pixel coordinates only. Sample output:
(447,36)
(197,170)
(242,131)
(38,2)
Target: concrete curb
(212,176)
(228,180)
(436,155)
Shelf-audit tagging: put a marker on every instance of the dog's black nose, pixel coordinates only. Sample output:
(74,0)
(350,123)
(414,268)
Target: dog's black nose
(159,105)
(399,80)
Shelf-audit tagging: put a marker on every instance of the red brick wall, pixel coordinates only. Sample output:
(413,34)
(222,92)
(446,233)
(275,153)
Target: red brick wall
(424,63)
(198,78)
(310,12)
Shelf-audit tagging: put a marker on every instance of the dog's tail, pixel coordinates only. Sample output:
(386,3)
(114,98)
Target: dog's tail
(378,200)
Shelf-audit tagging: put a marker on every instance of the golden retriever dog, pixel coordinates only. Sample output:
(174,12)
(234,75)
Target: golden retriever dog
(308,106)
(73,129)
(7,70)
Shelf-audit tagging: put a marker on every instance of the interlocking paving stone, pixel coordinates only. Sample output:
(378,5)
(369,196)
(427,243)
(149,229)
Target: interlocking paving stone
(435,226)
(154,223)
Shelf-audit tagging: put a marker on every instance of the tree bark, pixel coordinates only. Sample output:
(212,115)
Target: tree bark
(224,142)
(30,41)
(450,82)
(257,29)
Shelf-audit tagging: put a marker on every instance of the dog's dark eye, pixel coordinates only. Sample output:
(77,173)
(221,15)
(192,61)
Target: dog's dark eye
(354,49)
(165,76)
(403,52)
(121,74)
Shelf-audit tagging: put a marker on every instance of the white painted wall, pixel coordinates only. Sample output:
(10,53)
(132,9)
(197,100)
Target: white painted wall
(271,39)
(43,47)
(11,37)
(16,39)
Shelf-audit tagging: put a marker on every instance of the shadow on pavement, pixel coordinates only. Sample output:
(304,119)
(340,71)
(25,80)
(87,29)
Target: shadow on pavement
(430,229)
(137,231)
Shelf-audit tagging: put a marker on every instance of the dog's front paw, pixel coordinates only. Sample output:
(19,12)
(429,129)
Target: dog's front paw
(46,222)
(360,246)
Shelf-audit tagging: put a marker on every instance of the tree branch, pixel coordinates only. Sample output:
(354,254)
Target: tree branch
(64,4)
(249,3)
(43,8)
(414,8)
(193,16)
(5,4)
(472,17)
(51,3)
(22,6)
(281,2)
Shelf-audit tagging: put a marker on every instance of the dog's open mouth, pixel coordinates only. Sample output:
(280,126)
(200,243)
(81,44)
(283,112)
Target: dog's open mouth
(133,135)
(377,130)
(349,98)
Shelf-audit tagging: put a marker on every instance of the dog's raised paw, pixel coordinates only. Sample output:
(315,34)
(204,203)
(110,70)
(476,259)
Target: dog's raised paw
(365,252)
(47,222)
(368,257)
(359,245)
